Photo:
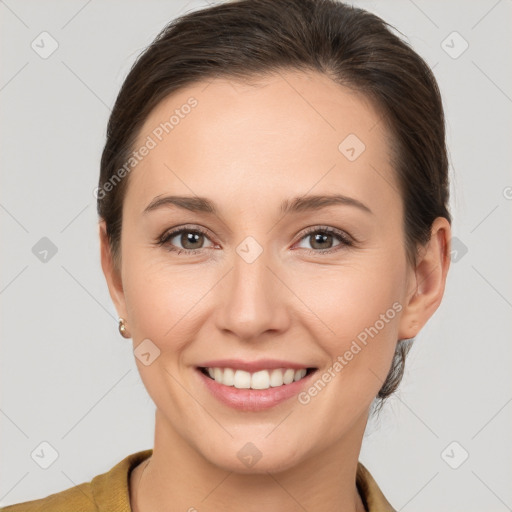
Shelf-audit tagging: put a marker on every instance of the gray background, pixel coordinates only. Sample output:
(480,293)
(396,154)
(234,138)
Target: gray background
(69,379)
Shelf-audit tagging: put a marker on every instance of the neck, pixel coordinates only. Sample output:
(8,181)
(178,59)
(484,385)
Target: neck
(177,475)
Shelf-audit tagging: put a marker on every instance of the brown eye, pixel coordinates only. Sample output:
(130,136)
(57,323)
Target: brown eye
(184,240)
(191,240)
(323,240)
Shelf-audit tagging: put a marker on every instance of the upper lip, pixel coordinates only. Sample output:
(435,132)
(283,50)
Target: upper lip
(253,366)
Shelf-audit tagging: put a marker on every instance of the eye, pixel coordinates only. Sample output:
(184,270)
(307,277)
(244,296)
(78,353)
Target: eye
(191,240)
(321,239)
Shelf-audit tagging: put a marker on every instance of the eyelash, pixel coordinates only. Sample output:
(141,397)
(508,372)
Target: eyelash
(345,240)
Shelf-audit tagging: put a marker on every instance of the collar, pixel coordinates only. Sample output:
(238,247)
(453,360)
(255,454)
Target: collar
(112,494)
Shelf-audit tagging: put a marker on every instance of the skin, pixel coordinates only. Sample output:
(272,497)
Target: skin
(248,148)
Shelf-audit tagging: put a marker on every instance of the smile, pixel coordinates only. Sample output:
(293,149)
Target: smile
(254,385)
(263,379)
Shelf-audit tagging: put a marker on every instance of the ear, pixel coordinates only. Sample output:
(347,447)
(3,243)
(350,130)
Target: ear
(427,281)
(112,274)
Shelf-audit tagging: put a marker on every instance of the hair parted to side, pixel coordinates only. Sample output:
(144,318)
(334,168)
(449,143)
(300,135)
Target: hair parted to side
(244,39)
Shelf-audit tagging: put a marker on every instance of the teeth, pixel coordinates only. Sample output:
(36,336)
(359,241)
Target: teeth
(263,379)
(260,380)
(297,375)
(242,380)
(276,378)
(288,376)
(228,377)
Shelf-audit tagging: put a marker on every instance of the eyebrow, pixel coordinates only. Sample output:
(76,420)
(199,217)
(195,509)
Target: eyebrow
(295,205)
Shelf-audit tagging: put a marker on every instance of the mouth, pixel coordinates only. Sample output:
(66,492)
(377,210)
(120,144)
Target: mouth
(254,385)
(254,391)
(259,380)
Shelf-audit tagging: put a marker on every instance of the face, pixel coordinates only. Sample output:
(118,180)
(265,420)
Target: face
(265,274)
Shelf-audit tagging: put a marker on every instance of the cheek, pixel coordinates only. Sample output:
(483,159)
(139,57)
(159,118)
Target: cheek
(355,313)
(352,295)
(360,343)
(163,299)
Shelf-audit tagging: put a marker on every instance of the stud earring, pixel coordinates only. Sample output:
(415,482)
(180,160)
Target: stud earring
(122,328)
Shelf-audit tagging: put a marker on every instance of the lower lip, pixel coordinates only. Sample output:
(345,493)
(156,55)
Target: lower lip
(254,399)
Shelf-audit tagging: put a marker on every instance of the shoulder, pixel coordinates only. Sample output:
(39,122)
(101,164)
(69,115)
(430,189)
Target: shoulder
(74,498)
(371,495)
(107,491)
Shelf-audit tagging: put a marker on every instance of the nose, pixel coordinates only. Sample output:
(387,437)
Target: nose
(253,301)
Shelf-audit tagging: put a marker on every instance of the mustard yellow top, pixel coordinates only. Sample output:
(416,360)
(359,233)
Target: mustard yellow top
(109,492)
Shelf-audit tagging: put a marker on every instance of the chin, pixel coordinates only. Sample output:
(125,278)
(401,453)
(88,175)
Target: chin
(261,456)
(269,463)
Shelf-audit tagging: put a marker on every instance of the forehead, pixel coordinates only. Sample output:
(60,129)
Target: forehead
(289,131)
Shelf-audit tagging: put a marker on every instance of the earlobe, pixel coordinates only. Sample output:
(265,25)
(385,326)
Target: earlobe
(112,274)
(428,281)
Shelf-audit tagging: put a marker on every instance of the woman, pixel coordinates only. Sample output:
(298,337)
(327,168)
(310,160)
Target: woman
(274,229)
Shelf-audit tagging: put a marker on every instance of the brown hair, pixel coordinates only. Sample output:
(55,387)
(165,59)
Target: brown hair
(243,38)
